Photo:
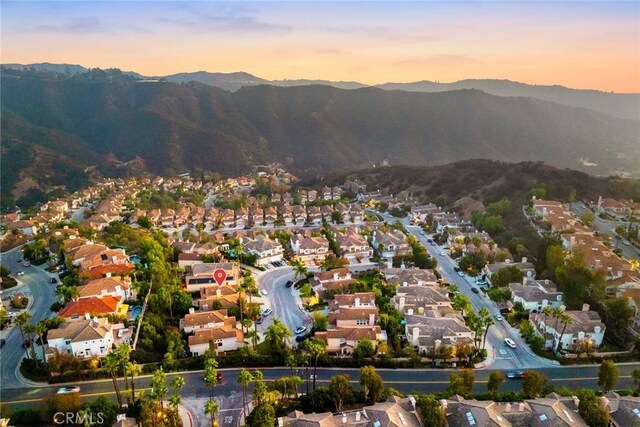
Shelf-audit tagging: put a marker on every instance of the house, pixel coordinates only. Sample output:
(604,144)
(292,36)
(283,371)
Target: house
(95,306)
(270,216)
(344,340)
(188,259)
(228,218)
(84,338)
(391,243)
(80,253)
(612,207)
(166,218)
(26,227)
(410,276)
(527,268)
(104,258)
(584,325)
(416,300)
(339,278)
(205,320)
(354,316)
(353,245)
(265,249)
(224,296)
(394,412)
(542,207)
(314,215)
(309,249)
(115,286)
(624,410)
(633,296)
(358,299)
(202,275)
(211,217)
(429,331)
(219,339)
(535,295)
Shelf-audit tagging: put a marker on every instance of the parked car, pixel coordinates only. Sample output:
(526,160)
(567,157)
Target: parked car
(505,310)
(219,377)
(27,264)
(498,317)
(509,343)
(516,374)
(626,242)
(53,280)
(2,342)
(264,291)
(19,260)
(300,338)
(69,390)
(20,273)
(422,232)
(289,284)
(266,312)
(300,329)
(475,290)
(461,273)
(259,320)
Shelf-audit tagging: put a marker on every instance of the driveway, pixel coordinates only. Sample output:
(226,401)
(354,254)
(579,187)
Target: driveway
(36,285)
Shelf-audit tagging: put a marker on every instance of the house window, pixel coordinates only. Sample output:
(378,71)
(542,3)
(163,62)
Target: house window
(67,342)
(362,322)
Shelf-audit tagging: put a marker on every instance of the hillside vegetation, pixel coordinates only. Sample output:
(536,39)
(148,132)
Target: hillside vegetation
(107,118)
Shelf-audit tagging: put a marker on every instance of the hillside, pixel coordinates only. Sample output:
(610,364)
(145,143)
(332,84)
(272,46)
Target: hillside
(312,129)
(626,106)
(459,185)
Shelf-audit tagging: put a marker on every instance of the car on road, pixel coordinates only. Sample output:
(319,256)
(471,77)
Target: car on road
(301,338)
(626,242)
(300,329)
(422,232)
(2,342)
(475,290)
(441,253)
(219,376)
(53,280)
(430,241)
(259,320)
(19,260)
(69,390)
(509,343)
(20,273)
(266,312)
(289,283)
(461,273)
(516,375)
(264,292)
(27,264)
(498,317)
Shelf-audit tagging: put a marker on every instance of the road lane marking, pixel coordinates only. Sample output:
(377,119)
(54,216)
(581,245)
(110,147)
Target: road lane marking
(102,393)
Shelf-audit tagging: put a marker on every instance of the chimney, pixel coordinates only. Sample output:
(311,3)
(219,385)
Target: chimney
(335,276)
(405,284)
(410,312)
(507,407)
(389,263)
(524,259)
(521,406)
(421,310)
(358,416)
(585,307)
(87,316)
(280,422)
(420,283)
(415,336)
(95,320)
(218,292)
(437,344)
(576,401)
(372,319)
(443,404)
(344,418)
(401,301)
(357,303)
(108,274)
(191,310)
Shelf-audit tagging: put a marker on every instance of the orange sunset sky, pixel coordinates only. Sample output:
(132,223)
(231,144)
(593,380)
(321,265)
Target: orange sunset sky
(593,45)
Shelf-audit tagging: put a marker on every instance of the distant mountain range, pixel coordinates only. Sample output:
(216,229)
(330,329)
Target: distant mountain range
(60,130)
(625,106)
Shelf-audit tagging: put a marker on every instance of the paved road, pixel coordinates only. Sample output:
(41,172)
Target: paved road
(405,380)
(36,284)
(282,300)
(500,356)
(608,227)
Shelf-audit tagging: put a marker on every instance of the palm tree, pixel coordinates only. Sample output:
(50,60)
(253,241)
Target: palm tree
(67,292)
(111,363)
(210,374)
(40,330)
(565,319)
(244,379)
(547,310)
(486,322)
(277,334)
(132,369)
(315,348)
(30,329)
(557,312)
(300,270)
(22,320)
(211,408)
(290,361)
(176,385)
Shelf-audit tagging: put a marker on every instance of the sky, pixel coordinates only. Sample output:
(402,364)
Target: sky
(594,45)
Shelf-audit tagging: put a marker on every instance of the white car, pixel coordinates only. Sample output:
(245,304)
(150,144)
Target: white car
(264,291)
(509,342)
(498,317)
(626,242)
(68,390)
(300,330)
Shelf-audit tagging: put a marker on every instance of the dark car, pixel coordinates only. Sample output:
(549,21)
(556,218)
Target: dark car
(475,290)
(289,284)
(53,280)
(300,338)
(26,344)
(259,320)
(505,310)
(219,377)
(2,342)
(456,269)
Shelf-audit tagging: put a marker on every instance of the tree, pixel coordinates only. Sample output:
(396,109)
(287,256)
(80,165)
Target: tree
(506,275)
(320,321)
(176,385)
(486,321)
(571,197)
(111,363)
(211,408)
(244,379)
(496,378)
(554,258)
(636,377)
(159,387)
(340,389)
(591,409)
(372,384)
(337,217)
(210,373)
(276,336)
(22,320)
(299,270)
(462,384)
(259,389)
(262,416)
(607,375)
(314,348)
(565,320)
(67,292)
(619,314)
(132,370)
(533,384)
(364,349)
(587,218)
(431,411)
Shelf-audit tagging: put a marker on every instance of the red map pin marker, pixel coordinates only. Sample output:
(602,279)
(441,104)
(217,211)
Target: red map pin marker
(220,275)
